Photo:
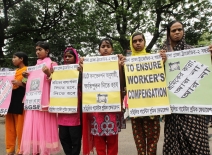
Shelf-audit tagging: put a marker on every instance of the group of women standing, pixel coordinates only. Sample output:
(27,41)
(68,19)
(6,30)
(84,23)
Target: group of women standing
(36,131)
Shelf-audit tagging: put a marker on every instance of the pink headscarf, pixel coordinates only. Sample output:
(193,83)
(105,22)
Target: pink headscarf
(74,52)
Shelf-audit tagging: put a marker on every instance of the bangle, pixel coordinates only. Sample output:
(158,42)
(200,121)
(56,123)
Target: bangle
(24,80)
(50,77)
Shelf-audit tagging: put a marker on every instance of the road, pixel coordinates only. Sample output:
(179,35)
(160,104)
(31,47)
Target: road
(126,141)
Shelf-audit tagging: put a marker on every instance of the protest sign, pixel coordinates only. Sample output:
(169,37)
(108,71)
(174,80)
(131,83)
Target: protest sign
(146,86)
(101,84)
(5,90)
(34,88)
(63,92)
(189,82)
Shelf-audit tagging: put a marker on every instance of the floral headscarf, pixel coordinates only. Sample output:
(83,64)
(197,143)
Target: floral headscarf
(181,45)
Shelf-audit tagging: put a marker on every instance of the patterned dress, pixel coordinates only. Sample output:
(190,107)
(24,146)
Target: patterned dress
(106,124)
(185,134)
(146,132)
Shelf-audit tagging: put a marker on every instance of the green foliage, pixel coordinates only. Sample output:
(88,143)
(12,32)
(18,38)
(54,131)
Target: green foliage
(205,39)
(84,23)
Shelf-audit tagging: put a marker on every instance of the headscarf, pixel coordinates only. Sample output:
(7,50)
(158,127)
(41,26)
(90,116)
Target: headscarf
(87,138)
(72,51)
(181,45)
(137,53)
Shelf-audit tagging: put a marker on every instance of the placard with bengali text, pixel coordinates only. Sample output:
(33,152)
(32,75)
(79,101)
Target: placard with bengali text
(64,89)
(6,90)
(189,81)
(101,84)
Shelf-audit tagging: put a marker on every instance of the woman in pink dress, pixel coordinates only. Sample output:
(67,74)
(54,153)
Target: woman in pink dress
(40,132)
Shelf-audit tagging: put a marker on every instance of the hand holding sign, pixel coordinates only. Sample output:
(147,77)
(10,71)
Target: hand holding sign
(47,71)
(121,59)
(163,55)
(80,68)
(25,74)
(17,83)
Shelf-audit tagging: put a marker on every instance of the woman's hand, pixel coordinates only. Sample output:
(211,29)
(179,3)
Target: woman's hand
(80,68)
(47,71)
(25,74)
(163,55)
(17,83)
(121,59)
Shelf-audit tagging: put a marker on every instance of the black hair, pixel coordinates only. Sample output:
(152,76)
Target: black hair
(170,25)
(107,40)
(139,33)
(23,56)
(44,45)
(72,52)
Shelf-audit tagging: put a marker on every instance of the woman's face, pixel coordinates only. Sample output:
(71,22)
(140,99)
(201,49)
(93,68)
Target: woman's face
(138,42)
(16,60)
(69,58)
(105,48)
(41,52)
(176,32)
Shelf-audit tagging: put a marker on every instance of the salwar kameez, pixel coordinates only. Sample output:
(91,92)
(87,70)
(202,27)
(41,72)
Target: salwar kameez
(185,135)
(146,132)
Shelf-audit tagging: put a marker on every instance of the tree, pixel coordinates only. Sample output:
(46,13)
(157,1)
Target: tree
(26,22)
(83,23)
(205,39)
(119,19)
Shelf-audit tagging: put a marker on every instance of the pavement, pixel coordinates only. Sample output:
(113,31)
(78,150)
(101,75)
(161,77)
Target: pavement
(126,141)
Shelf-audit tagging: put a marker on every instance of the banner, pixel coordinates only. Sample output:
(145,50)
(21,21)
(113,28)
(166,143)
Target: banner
(64,89)
(146,86)
(101,84)
(189,81)
(6,90)
(34,88)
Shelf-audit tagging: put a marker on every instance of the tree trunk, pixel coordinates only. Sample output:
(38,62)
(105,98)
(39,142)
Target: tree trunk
(1,42)
(125,44)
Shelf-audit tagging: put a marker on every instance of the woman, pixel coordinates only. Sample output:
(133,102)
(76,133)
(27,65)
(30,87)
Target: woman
(146,130)
(178,138)
(70,126)
(40,131)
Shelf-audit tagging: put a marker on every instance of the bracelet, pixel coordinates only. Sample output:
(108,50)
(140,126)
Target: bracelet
(50,77)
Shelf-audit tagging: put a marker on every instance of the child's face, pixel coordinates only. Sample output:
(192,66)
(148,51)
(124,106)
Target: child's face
(69,58)
(138,43)
(41,53)
(16,60)
(105,48)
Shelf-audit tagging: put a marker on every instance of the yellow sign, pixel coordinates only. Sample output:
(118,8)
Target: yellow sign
(64,89)
(146,86)
(101,84)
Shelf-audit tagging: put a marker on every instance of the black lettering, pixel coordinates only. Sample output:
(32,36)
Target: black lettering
(130,79)
(131,68)
(159,64)
(155,76)
(136,79)
(151,78)
(138,67)
(162,77)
